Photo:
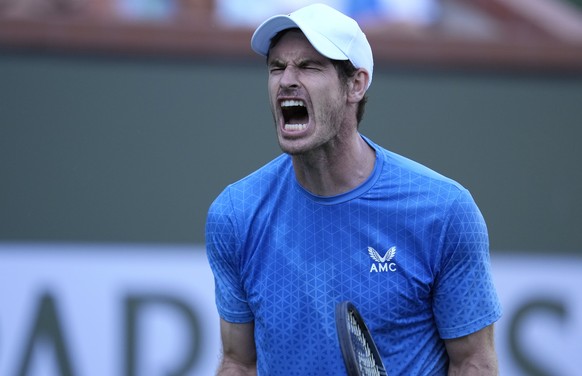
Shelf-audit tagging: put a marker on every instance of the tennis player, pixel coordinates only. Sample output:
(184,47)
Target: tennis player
(337,217)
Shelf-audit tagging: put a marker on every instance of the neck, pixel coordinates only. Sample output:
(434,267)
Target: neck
(335,168)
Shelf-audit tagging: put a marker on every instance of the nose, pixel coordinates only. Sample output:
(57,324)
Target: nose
(289,78)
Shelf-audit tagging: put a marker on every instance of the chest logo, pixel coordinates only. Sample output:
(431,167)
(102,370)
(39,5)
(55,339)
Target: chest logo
(382,263)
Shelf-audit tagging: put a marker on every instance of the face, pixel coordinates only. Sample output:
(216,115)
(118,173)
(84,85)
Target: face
(307,98)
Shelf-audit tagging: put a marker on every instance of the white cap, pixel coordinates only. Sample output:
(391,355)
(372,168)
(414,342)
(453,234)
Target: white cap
(332,33)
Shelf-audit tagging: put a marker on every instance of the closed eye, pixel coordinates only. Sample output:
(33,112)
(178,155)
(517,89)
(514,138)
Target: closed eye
(309,64)
(276,66)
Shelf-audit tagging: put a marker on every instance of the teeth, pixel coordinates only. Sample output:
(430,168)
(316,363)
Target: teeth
(295,127)
(292,103)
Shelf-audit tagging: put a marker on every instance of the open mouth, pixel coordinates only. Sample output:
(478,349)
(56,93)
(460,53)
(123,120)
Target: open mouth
(295,115)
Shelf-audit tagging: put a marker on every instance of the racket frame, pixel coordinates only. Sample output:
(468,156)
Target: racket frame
(343,311)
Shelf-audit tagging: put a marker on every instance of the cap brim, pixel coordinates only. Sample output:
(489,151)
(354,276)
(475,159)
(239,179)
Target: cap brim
(261,40)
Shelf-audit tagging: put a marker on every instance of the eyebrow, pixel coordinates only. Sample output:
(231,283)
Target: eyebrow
(275,63)
(309,61)
(299,63)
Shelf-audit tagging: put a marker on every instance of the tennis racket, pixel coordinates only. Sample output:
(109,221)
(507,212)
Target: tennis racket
(359,351)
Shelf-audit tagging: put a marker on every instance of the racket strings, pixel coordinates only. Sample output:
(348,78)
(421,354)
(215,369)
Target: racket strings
(366,361)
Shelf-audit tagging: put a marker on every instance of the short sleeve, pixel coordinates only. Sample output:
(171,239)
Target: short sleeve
(223,250)
(465,299)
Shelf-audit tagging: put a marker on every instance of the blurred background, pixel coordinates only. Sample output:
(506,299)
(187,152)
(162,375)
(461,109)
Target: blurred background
(121,120)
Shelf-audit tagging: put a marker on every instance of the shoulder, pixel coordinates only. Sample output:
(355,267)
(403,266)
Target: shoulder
(231,214)
(253,188)
(424,194)
(276,172)
(271,173)
(413,178)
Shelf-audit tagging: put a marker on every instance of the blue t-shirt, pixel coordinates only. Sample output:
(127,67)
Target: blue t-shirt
(408,247)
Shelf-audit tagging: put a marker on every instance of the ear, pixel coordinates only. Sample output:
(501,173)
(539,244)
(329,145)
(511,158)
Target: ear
(358,86)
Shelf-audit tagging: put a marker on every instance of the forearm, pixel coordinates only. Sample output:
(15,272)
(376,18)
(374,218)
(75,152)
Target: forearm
(485,365)
(239,356)
(473,355)
(229,367)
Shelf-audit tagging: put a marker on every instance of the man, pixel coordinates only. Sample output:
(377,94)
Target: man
(337,217)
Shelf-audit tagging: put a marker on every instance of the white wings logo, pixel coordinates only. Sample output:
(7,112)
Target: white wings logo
(387,257)
(384,263)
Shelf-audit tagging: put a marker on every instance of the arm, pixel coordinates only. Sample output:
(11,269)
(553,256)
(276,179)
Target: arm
(473,355)
(239,356)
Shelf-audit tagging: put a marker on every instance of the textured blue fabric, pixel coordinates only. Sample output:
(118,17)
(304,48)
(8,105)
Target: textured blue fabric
(408,247)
